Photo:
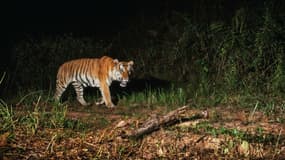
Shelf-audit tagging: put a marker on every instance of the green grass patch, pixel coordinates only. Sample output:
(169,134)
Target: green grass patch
(169,98)
(7,118)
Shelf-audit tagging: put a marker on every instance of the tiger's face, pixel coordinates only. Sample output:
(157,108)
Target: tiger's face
(122,70)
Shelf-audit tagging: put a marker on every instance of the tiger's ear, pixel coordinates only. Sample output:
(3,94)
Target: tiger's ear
(130,63)
(116,61)
(130,66)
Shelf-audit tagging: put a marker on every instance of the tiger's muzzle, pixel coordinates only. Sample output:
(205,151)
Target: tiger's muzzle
(124,83)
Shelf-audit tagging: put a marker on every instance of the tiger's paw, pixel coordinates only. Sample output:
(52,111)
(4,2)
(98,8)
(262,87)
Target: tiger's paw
(100,102)
(111,106)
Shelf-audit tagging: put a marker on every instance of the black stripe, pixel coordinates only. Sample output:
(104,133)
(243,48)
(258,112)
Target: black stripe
(76,85)
(82,81)
(61,86)
(86,69)
(86,77)
(76,76)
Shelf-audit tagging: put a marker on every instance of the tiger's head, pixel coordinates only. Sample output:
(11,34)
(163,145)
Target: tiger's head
(121,71)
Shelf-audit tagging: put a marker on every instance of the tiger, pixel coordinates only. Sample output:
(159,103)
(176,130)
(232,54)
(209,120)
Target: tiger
(92,72)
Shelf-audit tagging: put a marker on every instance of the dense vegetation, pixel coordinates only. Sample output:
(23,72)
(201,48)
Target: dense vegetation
(241,52)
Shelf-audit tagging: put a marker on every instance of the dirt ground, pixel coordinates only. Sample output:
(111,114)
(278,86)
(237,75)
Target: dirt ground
(227,132)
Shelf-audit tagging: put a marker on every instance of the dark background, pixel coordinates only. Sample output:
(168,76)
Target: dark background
(100,19)
(104,20)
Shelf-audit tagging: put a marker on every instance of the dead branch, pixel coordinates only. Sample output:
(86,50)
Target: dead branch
(154,123)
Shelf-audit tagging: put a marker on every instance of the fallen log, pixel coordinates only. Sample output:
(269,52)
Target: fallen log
(154,123)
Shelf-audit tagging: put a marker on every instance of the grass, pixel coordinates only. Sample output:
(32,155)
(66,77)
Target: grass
(40,106)
(7,120)
(241,135)
(38,117)
(43,112)
(169,98)
(39,114)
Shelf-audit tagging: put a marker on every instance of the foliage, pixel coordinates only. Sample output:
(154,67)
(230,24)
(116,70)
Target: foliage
(7,119)
(245,52)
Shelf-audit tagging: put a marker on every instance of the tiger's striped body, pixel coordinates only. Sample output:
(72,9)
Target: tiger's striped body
(92,72)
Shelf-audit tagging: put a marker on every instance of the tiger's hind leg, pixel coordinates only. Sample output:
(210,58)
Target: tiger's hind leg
(60,88)
(79,93)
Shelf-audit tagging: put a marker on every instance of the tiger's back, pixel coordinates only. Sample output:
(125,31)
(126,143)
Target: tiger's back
(80,70)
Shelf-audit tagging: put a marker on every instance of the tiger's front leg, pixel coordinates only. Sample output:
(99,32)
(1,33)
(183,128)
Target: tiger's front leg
(105,91)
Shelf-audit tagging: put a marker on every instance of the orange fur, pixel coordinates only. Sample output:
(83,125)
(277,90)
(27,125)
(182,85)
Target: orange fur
(92,72)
